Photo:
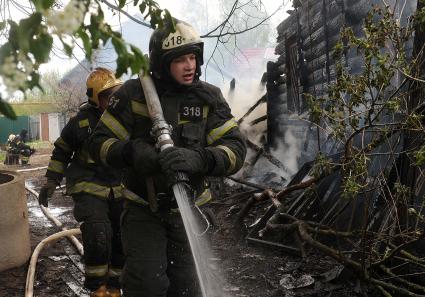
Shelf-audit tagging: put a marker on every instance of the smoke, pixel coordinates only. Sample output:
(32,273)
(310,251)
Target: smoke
(263,171)
(240,99)
(289,151)
(258,168)
(245,94)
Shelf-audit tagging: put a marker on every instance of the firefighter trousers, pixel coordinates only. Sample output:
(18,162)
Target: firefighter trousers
(100,228)
(159,261)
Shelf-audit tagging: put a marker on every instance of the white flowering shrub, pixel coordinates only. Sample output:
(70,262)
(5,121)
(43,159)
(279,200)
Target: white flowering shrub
(30,41)
(16,70)
(68,20)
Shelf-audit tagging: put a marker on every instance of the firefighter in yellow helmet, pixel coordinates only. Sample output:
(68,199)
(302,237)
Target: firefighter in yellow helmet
(94,188)
(12,153)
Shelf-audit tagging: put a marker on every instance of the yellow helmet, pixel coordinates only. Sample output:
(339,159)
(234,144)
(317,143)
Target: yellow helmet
(100,80)
(11,137)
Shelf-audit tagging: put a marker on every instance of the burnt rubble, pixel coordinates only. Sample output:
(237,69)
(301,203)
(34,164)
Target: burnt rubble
(376,235)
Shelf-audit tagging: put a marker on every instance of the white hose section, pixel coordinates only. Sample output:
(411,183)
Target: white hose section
(29,286)
(31,169)
(55,221)
(152,100)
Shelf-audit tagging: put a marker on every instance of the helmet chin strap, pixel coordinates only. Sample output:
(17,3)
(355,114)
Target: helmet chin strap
(91,102)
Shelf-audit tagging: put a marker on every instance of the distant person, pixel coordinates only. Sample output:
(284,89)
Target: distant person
(12,153)
(94,188)
(207,142)
(24,135)
(24,150)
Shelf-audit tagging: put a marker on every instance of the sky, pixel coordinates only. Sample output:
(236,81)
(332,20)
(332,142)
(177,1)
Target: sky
(61,63)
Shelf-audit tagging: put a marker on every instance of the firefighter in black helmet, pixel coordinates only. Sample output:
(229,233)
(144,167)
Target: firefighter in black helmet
(165,46)
(25,151)
(94,188)
(207,143)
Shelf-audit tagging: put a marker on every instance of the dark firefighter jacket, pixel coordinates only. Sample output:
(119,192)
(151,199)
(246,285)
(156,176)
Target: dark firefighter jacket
(200,117)
(70,158)
(25,151)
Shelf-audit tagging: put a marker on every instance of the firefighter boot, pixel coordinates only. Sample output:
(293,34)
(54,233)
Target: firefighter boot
(114,292)
(100,292)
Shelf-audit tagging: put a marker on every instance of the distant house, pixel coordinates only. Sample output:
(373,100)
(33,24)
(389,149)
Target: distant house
(41,119)
(249,61)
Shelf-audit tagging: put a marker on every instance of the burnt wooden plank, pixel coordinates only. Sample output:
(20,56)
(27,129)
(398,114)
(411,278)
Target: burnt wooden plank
(318,50)
(280,48)
(313,20)
(356,12)
(333,28)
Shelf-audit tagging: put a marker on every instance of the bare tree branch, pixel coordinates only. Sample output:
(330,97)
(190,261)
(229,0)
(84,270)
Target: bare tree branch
(126,14)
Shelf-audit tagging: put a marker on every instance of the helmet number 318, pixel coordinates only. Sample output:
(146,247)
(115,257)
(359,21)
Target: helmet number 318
(175,40)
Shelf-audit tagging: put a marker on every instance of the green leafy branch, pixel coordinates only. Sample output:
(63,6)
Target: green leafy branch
(357,103)
(30,41)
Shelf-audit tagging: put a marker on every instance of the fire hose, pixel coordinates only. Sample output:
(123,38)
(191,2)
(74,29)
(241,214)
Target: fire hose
(55,221)
(48,214)
(29,286)
(69,233)
(31,169)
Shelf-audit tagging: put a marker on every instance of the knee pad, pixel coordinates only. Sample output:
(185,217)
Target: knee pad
(139,279)
(96,242)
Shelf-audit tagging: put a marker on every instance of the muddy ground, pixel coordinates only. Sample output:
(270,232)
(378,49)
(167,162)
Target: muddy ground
(250,271)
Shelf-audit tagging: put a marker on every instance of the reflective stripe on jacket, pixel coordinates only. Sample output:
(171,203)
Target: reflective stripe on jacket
(71,158)
(94,189)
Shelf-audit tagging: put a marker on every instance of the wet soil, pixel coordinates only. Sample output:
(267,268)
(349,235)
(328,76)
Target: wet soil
(249,271)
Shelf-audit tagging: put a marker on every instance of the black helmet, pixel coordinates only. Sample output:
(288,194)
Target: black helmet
(165,45)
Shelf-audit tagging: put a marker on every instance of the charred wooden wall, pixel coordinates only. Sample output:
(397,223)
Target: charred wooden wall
(305,65)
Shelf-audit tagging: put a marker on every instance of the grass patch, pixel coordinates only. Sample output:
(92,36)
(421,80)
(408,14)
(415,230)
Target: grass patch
(40,144)
(2,156)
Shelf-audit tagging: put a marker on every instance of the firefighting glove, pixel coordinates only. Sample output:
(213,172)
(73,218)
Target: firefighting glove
(145,157)
(46,192)
(178,159)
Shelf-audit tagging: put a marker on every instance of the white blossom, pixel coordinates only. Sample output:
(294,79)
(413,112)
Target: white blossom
(15,74)
(9,65)
(93,6)
(15,81)
(68,20)
(25,63)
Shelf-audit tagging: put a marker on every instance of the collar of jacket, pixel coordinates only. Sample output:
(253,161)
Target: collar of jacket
(88,105)
(197,88)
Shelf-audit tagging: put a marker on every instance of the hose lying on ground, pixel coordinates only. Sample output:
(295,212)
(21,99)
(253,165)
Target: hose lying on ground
(31,169)
(55,221)
(29,286)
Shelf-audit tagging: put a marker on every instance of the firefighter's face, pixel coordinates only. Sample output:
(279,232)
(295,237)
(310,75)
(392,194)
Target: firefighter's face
(183,69)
